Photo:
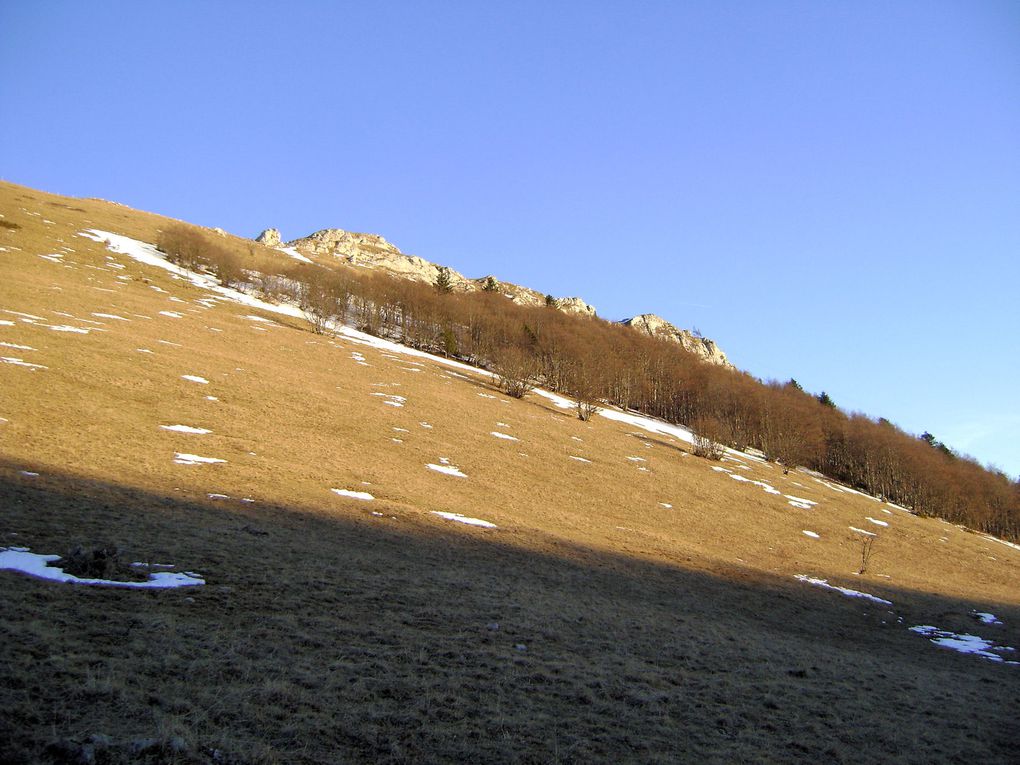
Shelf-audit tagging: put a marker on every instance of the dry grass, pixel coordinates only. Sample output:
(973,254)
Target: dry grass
(327,633)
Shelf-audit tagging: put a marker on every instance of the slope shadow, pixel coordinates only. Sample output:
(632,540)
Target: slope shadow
(321,638)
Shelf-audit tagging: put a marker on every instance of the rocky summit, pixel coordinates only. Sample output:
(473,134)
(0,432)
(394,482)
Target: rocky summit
(691,342)
(375,252)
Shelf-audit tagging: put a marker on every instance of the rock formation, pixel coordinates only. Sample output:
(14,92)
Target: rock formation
(656,326)
(373,251)
(270,237)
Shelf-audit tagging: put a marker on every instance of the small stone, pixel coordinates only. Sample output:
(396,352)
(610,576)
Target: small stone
(492,626)
(177,744)
(189,600)
(520,647)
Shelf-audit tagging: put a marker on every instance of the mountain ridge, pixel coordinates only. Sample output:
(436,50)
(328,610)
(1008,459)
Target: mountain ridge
(373,251)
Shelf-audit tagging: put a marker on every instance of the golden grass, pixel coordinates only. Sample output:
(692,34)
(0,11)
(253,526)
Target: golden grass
(328,633)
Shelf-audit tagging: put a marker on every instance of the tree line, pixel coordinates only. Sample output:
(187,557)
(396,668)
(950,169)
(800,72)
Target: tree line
(597,362)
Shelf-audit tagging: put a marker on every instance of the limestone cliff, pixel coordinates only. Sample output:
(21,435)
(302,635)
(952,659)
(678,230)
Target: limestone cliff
(374,252)
(656,326)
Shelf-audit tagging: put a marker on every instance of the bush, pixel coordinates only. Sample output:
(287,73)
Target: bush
(101,562)
(708,432)
(516,371)
(192,249)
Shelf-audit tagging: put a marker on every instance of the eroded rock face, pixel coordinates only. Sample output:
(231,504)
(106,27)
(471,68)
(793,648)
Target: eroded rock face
(373,251)
(656,326)
(575,305)
(270,238)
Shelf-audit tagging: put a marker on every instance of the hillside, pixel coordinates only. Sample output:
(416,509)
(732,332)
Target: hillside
(403,564)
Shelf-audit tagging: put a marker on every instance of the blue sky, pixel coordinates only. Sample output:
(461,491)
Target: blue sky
(831,190)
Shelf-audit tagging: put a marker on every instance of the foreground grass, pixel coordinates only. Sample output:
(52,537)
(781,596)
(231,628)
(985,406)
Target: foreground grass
(595,624)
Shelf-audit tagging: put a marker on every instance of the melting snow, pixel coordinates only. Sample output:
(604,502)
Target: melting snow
(963,643)
(33,564)
(986,618)
(68,328)
(295,254)
(845,590)
(172,314)
(446,469)
(195,379)
(862,531)
(579,459)
(17,347)
(193,459)
(391,399)
(353,494)
(185,429)
(464,519)
(811,534)
(768,488)
(21,363)
(110,316)
(877,522)
(666,505)
(504,436)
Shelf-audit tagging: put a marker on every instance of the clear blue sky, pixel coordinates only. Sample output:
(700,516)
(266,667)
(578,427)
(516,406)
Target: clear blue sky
(829,189)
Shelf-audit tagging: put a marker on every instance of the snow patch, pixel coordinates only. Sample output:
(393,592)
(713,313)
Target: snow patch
(446,470)
(195,379)
(504,436)
(353,494)
(21,560)
(845,590)
(963,643)
(182,458)
(185,429)
(465,519)
(21,363)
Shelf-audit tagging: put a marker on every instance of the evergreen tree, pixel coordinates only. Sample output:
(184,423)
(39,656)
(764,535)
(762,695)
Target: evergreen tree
(551,302)
(490,285)
(795,385)
(443,283)
(825,400)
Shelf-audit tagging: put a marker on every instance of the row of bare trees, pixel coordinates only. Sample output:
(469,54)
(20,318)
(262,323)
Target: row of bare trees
(600,363)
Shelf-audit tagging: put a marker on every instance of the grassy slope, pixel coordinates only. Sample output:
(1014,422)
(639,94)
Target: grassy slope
(327,633)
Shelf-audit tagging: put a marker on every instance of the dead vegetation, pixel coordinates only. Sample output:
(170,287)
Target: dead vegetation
(329,634)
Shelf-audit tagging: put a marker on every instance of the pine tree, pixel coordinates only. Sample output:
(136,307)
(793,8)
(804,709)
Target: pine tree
(825,400)
(551,302)
(490,285)
(443,283)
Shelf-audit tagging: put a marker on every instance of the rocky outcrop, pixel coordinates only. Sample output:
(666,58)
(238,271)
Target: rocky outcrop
(270,237)
(374,252)
(576,306)
(656,326)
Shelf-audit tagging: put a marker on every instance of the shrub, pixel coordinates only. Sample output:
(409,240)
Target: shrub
(708,431)
(100,562)
(516,371)
(191,248)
